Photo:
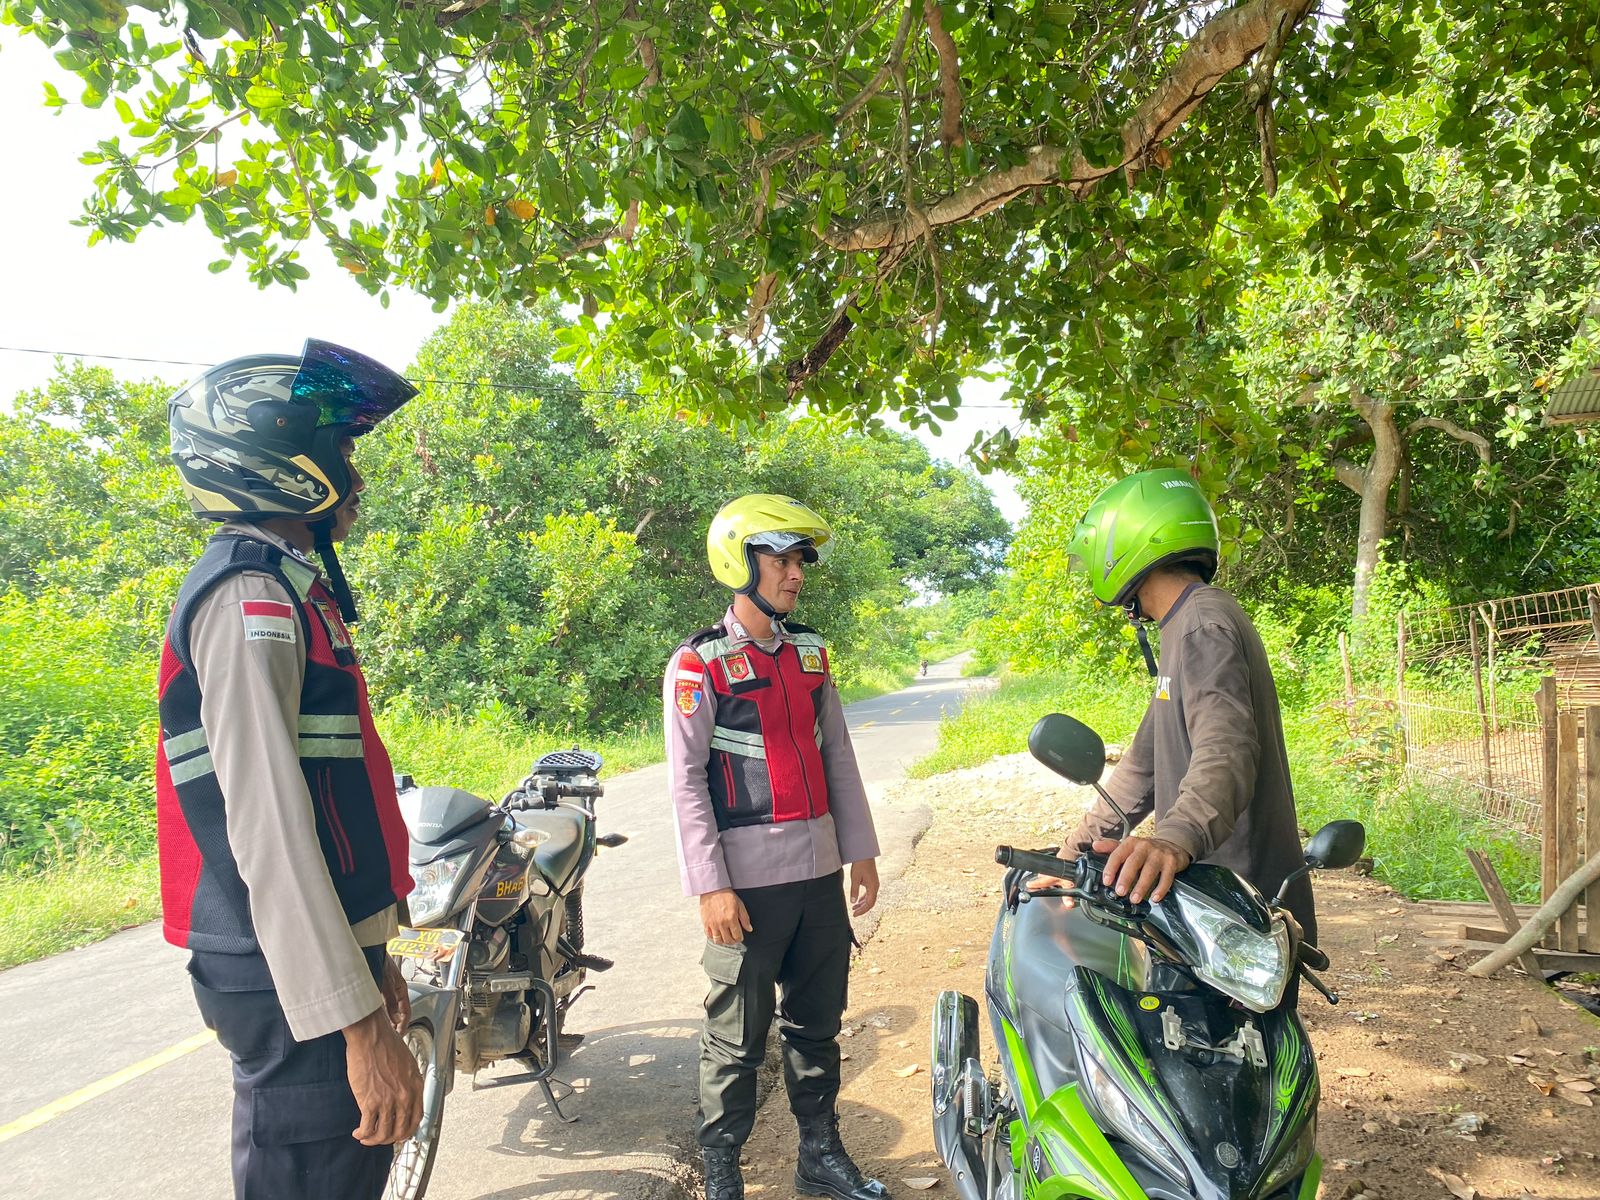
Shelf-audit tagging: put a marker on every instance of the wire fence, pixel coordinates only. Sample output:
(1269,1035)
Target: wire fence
(1465,692)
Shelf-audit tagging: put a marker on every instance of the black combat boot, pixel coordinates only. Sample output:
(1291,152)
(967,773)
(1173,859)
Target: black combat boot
(724,1180)
(825,1168)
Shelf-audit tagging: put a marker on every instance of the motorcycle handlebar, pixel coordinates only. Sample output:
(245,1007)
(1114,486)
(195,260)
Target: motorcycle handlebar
(1031,861)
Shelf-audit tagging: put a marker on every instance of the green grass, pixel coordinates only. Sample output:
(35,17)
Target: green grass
(877,681)
(52,908)
(489,755)
(1415,834)
(998,723)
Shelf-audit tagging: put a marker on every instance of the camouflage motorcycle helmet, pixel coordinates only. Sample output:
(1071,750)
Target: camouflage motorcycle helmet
(256,438)
(1151,519)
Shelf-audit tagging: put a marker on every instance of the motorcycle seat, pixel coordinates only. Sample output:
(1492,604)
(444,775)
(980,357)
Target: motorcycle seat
(562,846)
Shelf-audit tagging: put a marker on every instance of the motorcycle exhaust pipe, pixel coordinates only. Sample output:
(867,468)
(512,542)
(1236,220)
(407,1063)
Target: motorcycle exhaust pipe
(960,1092)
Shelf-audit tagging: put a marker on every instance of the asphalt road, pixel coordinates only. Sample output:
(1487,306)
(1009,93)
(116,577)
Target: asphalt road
(118,1018)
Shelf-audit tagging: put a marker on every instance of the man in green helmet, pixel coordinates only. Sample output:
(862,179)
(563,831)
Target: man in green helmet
(1208,760)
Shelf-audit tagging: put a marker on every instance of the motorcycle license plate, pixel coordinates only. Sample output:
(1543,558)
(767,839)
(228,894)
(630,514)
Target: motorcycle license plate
(428,945)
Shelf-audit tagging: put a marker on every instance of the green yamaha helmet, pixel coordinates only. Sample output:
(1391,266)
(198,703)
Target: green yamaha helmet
(1140,523)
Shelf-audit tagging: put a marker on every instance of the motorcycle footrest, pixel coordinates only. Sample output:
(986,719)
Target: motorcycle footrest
(593,962)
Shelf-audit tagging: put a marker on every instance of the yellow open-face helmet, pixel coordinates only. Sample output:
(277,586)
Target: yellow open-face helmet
(761,521)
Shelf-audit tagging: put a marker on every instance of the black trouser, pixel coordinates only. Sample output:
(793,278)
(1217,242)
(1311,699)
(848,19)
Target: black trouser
(293,1111)
(799,949)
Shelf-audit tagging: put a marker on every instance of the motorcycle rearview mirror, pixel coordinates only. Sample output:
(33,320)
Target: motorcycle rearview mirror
(1332,848)
(1075,752)
(1336,845)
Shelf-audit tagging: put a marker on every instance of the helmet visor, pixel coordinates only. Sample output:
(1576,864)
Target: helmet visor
(348,388)
(781,541)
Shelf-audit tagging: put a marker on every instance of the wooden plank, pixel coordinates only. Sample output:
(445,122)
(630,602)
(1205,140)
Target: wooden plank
(1555,960)
(1548,879)
(1568,835)
(1469,910)
(1495,890)
(1482,933)
(1487,612)
(1589,939)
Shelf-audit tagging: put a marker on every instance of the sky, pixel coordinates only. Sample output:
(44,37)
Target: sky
(154,298)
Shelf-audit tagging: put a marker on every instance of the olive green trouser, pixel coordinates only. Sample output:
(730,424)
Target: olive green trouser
(795,961)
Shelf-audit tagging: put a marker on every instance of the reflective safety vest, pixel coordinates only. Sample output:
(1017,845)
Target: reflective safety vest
(766,749)
(205,903)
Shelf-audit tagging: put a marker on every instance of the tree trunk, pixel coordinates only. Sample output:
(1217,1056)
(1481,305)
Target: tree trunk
(1372,483)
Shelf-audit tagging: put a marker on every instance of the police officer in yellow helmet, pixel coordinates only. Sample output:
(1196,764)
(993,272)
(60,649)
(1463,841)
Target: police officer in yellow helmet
(769,809)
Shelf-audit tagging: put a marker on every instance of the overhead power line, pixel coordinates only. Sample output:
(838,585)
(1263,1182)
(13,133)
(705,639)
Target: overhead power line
(501,385)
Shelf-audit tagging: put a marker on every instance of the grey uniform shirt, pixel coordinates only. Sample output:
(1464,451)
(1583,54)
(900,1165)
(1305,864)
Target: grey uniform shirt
(250,708)
(759,855)
(1209,759)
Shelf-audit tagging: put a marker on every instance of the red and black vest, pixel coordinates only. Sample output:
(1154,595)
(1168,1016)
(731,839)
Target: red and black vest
(766,749)
(205,904)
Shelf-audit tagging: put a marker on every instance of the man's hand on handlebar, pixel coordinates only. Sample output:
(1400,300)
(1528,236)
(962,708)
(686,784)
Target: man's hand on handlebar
(1142,868)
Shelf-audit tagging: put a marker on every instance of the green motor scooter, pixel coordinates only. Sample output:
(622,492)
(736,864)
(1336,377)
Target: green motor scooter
(1146,1051)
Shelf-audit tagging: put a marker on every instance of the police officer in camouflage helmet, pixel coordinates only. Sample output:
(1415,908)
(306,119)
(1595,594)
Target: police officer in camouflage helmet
(283,854)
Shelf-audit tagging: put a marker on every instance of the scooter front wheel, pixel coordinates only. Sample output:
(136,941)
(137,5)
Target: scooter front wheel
(413,1158)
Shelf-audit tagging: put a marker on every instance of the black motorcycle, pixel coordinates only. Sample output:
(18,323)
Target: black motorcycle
(496,957)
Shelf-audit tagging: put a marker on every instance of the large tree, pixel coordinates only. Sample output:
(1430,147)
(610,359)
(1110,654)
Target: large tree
(853,200)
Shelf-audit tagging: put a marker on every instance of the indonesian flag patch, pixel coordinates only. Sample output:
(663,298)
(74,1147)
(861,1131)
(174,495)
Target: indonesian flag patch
(689,683)
(267,621)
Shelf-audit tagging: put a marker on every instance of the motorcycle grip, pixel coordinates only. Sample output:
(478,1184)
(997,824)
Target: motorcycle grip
(1031,861)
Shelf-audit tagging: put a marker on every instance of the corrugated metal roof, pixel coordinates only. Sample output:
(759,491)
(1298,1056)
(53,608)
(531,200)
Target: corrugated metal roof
(1576,400)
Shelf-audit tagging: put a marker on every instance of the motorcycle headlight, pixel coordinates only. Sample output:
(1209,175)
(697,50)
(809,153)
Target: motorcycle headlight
(435,883)
(1294,1159)
(1251,967)
(1120,1112)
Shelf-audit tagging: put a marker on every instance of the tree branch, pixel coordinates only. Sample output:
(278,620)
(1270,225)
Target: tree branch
(1226,43)
(813,360)
(874,86)
(950,132)
(1347,473)
(1477,440)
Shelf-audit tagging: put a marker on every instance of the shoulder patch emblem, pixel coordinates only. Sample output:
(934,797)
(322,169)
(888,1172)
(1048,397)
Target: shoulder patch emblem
(267,621)
(811,661)
(687,694)
(738,666)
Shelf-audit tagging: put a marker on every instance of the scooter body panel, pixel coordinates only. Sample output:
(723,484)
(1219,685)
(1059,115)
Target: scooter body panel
(1060,986)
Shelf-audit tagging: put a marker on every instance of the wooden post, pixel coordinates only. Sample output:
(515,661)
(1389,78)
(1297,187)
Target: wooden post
(1567,859)
(1400,686)
(1591,834)
(1489,880)
(1594,616)
(1349,676)
(1487,613)
(1483,715)
(1548,879)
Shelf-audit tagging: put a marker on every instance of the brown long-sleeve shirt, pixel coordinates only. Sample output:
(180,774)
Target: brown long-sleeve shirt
(1209,758)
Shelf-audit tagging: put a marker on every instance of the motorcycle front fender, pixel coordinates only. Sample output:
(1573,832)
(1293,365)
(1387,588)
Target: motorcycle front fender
(438,1008)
